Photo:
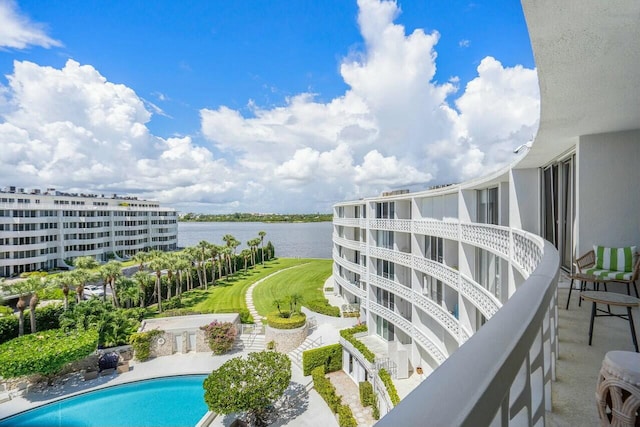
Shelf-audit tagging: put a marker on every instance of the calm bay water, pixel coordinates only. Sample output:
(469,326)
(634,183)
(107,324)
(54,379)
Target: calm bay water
(297,240)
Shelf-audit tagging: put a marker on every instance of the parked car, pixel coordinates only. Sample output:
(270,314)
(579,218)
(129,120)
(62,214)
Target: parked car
(93,291)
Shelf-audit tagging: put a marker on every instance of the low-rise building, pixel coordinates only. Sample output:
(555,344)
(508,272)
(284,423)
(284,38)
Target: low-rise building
(47,230)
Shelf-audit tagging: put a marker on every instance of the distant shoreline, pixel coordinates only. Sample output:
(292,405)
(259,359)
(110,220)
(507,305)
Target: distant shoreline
(265,218)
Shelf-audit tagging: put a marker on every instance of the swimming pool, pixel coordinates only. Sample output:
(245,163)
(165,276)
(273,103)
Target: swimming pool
(171,401)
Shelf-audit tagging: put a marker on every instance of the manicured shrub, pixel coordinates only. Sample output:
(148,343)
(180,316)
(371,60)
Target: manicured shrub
(375,411)
(329,356)
(8,328)
(45,352)
(141,343)
(172,303)
(347,334)
(345,417)
(245,315)
(322,306)
(178,312)
(276,321)
(325,389)
(391,388)
(366,393)
(220,336)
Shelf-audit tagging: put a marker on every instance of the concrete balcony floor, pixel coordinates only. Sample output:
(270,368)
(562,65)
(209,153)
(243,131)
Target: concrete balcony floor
(578,365)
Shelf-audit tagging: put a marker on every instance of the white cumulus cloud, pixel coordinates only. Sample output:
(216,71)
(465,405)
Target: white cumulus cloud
(394,127)
(18,32)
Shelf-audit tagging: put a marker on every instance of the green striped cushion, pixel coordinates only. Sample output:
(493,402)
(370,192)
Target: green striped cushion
(610,274)
(617,259)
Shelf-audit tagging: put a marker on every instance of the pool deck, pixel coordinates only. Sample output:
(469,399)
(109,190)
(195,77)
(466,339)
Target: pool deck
(302,408)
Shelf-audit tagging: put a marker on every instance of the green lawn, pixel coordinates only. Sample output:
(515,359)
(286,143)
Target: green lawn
(306,280)
(230,295)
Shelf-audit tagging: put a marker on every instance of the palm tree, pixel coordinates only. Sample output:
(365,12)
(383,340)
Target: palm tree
(246,255)
(203,246)
(34,284)
(61,281)
(213,254)
(128,292)
(79,278)
(181,264)
(85,262)
(294,300)
(19,288)
(143,280)
(157,264)
(278,303)
(226,252)
(262,234)
(141,257)
(109,273)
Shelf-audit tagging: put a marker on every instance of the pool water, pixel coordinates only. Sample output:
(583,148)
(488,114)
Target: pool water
(170,402)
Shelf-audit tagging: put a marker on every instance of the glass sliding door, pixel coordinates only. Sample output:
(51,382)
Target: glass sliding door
(558,208)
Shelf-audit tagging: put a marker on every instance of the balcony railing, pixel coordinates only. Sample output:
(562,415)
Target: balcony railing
(502,375)
(360,293)
(350,244)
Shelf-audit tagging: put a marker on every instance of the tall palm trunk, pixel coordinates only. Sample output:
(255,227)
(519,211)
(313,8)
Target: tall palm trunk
(22,304)
(159,290)
(32,311)
(65,291)
(112,285)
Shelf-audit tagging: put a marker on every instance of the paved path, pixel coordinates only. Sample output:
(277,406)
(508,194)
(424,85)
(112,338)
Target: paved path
(249,295)
(350,393)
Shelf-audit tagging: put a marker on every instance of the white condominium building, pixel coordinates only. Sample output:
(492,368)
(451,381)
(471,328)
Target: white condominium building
(460,281)
(46,230)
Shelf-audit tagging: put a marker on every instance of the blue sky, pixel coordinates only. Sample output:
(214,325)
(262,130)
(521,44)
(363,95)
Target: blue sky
(261,106)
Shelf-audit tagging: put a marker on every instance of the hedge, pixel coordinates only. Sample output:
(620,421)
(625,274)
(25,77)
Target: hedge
(366,393)
(325,389)
(322,306)
(345,417)
(276,321)
(329,356)
(45,352)
(9,328)
(388,383)
(47,317)
(347,334)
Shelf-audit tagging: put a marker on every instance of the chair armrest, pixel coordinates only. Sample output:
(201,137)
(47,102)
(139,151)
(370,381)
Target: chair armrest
(585,261)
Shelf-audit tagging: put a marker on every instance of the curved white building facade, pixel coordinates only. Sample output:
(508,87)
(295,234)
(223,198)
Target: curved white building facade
(43,231)
(460,281)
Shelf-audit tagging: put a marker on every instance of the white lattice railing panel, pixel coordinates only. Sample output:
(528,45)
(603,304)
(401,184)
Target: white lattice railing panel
(491,237)
(402,225)
(351,266)
(527,251)
(349,222)
(391,255)
(355,290)
(346,243)
(480,297)
(391,286)
(441,316)
(441,272)
(428,227)
(402,323)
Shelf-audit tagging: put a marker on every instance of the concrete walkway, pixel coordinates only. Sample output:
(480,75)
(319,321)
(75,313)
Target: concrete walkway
(350,393)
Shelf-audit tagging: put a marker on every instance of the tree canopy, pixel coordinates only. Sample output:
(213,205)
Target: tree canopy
(248,385)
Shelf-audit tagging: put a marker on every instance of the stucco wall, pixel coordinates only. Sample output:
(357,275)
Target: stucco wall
(286,339)
(608,190)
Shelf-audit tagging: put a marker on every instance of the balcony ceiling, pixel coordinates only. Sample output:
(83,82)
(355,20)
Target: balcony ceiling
(587,54)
